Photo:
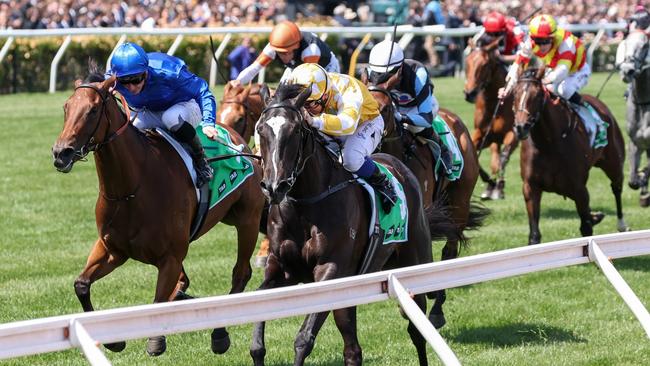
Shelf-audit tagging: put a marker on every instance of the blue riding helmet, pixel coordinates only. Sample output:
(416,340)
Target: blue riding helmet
(129,59)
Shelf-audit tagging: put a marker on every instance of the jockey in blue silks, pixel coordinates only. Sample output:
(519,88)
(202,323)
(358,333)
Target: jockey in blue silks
(166,95)
(416,105)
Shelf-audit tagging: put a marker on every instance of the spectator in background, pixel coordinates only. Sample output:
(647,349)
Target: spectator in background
(241,57)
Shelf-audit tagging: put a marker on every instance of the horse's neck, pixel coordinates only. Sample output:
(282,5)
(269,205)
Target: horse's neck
(120,162)
(497,80)
(556,123)
(320,173)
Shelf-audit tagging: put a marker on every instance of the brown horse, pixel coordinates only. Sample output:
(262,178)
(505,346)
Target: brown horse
(485,74)
(240,108)
(146,204)
(319,218)
(556,154)
(401,143)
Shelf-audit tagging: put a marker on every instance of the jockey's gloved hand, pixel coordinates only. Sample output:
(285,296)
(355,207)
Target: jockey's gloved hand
(210,132)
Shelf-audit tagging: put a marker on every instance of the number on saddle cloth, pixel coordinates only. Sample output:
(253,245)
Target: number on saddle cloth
(448,138)
(594,124)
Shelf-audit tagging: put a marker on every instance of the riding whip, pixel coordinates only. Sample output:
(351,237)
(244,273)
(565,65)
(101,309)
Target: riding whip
(605,82)
(214,51)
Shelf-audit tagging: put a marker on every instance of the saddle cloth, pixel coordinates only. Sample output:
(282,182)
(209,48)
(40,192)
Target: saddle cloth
(595,126)
(394,223)
(448,138)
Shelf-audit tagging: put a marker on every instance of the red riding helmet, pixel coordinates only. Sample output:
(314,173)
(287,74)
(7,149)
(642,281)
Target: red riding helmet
(495,22)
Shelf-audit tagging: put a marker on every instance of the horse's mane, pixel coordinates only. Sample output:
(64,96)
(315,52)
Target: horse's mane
(287,91)
(534,65)
(95,73)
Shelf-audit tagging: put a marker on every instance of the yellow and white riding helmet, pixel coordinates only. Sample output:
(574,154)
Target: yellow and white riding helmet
(314,76)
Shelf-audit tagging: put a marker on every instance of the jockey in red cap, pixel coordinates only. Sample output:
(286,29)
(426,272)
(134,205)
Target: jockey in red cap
(497,25)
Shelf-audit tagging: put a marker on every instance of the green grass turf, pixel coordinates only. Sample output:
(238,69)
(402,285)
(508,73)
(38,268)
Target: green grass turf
(568,316)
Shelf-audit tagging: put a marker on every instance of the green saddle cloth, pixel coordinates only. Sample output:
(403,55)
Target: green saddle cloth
(448,138)
(394,223)
(228,173)
(600,140)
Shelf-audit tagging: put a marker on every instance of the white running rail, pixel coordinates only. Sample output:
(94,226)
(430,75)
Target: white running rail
(86,330)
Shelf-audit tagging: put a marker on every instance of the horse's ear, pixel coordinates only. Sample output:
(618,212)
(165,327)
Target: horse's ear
(227,88)
(108,83)
(265,93)
(246,91)
(302,97)
(77,83)
(364,76)
(471,43)
(492,45)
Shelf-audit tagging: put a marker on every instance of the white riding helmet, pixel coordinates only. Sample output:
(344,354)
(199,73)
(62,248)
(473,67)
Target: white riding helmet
(383,60)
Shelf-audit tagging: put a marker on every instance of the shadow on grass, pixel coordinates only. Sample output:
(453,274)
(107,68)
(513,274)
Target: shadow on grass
(571,213)
(634,263)
(512,335)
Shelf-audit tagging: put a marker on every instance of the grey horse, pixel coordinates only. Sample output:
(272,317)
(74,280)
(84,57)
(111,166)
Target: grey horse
(633,60)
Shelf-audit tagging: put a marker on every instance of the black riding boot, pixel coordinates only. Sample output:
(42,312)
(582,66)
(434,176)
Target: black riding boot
(187,134)
(445,154)
(379,181)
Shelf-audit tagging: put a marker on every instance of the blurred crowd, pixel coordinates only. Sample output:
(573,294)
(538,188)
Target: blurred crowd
(441,54)
(38,14)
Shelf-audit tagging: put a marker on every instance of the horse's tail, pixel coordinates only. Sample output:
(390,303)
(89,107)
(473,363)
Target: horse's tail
(441,224)
(476,218)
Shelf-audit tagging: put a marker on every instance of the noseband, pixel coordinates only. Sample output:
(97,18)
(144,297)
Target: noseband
(91,145)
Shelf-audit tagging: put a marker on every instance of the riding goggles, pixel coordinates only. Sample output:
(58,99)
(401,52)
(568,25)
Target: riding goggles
(132,79)
(542,41)
(495,34)
(381,77)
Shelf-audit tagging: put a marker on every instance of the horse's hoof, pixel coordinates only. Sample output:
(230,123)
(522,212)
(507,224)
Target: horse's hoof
(497,194)
(597,217)
(116,347)
(438,320)
(260,261)
(180,295)
(634,184)
(487,194)
(156,346)
(220,341)
(644,200)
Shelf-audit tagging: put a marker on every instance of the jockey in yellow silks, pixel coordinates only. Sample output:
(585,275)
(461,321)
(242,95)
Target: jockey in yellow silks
(567,69)
(341,106)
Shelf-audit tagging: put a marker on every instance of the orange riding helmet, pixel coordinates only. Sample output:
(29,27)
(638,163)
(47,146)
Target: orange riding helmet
(285,37)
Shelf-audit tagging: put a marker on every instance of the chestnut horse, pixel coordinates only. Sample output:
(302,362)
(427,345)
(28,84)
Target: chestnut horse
(146,203)
(240,108)
(556,153)
(401,143)
(485,74)
(319,218)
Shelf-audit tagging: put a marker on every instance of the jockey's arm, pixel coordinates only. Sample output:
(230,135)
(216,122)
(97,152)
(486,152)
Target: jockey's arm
(428,106)
(559,73)
(265,58)
(199,89)
(311,54)
(521,58)
(345,122)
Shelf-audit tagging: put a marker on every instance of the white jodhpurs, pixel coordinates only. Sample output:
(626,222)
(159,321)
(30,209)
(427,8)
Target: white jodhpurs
(361,143)
(189,111)
(572,83)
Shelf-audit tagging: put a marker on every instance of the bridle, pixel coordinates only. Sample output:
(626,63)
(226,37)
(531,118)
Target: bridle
(532,118)
(306,133)
(91,145)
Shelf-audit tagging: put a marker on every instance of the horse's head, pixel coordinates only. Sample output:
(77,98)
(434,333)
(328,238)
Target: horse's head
(381,92)
(480,67)
(86,125)
(280,135)
(235,110)
(529,100)
(632,55)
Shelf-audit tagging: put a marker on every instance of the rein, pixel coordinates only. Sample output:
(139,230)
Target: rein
(91,145)
(532,119)
(305,132)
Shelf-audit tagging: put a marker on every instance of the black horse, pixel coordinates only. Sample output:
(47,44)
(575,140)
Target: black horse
(319,220)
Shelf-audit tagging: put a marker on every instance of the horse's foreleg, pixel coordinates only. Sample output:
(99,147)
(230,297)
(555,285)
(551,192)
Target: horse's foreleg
(581,199)
(183,285)
(273,277)
(533,197)
(416,336)
(99,264)
(346,322)
(635,160)
(167,287)
(306,337)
